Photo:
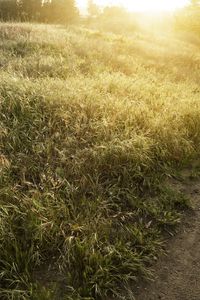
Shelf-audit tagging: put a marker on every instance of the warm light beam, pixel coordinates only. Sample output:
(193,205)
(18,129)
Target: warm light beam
(141,5)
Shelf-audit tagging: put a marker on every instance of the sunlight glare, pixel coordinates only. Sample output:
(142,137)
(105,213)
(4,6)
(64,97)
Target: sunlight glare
(141,5)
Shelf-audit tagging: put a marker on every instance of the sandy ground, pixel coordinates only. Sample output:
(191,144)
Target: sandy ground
(178,273)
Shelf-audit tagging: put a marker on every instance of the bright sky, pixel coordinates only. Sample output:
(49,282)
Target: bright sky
(140,5)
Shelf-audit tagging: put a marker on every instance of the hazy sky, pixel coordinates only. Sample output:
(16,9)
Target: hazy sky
(140,5)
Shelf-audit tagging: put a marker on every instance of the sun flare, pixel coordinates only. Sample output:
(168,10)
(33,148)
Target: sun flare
(141,5)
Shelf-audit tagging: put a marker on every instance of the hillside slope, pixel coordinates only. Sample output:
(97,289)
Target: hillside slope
(91,125)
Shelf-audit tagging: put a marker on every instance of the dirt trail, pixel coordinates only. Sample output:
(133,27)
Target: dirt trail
(178,273)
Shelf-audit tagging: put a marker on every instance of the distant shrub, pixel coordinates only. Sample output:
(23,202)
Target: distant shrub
(188,19)
(114,19)
(59,11)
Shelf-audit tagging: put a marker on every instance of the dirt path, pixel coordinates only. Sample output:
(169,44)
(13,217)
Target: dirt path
(178,273)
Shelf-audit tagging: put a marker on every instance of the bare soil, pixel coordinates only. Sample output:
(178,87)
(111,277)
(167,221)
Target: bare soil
(178,272)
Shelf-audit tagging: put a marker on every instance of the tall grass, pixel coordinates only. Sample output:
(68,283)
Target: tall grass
(91,125)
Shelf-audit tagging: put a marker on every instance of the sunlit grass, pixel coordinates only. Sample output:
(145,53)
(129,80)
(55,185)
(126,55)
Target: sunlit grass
(91,125)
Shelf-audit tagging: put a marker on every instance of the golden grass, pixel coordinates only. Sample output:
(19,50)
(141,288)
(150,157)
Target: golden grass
(91,124)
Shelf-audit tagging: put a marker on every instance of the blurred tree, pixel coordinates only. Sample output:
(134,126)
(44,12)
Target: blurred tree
(8,10)
(46,11)
(114,11)
(93,9)
(195,2)
(59,11)
(30,9)
(118,20)
(188,19)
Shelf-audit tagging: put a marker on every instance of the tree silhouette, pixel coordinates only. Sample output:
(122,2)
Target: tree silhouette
(8,10)
(63,11)
(30,9)
(93,8)
(195,2)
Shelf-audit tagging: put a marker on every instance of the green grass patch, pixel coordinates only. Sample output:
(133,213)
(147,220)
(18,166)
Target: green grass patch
(91,126)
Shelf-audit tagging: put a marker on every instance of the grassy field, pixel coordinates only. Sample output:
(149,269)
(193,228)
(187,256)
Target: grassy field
(91,126)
